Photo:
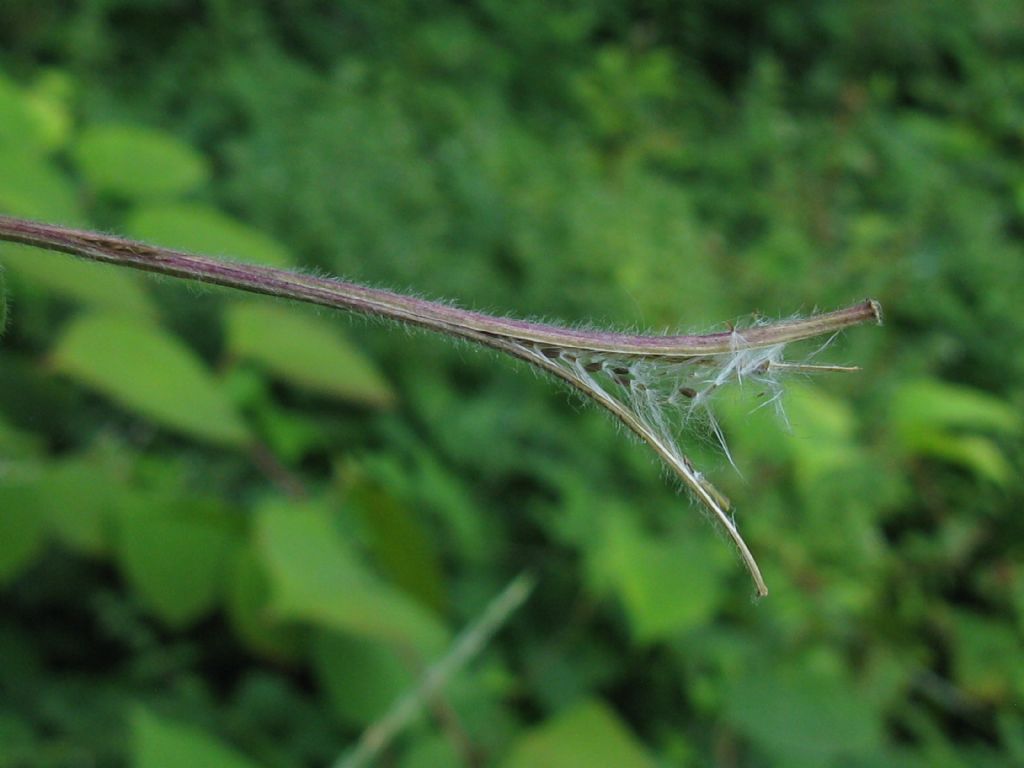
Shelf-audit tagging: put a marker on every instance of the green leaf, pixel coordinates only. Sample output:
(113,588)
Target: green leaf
(804,718)
(931,418)
(73,498)
(817,416)
(667,584)
(399,543)
(78,498)
(19,127)
(32,187)
(973,452)
(200,229)
(822,441)
(138,163)
(291,434)
(102,286)
(317,576)
(362,677)
(306,351)
(930,403)
(248,608)
(48,101)
(160,743)
(174,558)
(22,536)
(589,734)
(150,372)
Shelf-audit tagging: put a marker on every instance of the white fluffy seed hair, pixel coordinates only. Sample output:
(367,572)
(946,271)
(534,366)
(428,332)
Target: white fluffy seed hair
(674,398)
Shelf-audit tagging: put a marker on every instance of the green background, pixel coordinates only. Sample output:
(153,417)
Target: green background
(233,530)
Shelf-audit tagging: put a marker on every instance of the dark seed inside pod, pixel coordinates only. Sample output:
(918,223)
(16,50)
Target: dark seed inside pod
(550,352)
(620,370)
(688,392)
(592,367)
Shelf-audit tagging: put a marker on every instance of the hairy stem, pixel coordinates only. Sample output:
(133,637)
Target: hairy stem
(539,344)
(429,314)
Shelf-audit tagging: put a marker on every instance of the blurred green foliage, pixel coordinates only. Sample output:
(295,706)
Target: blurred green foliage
(232,532)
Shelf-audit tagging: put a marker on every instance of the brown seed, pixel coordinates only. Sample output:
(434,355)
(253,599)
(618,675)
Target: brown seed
(592,367)
(688,392)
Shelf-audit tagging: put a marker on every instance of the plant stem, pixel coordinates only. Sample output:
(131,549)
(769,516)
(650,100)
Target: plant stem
(536,343)
(466,646)
(436,316)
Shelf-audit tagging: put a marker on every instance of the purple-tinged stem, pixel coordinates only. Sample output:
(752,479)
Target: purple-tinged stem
(436,316)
